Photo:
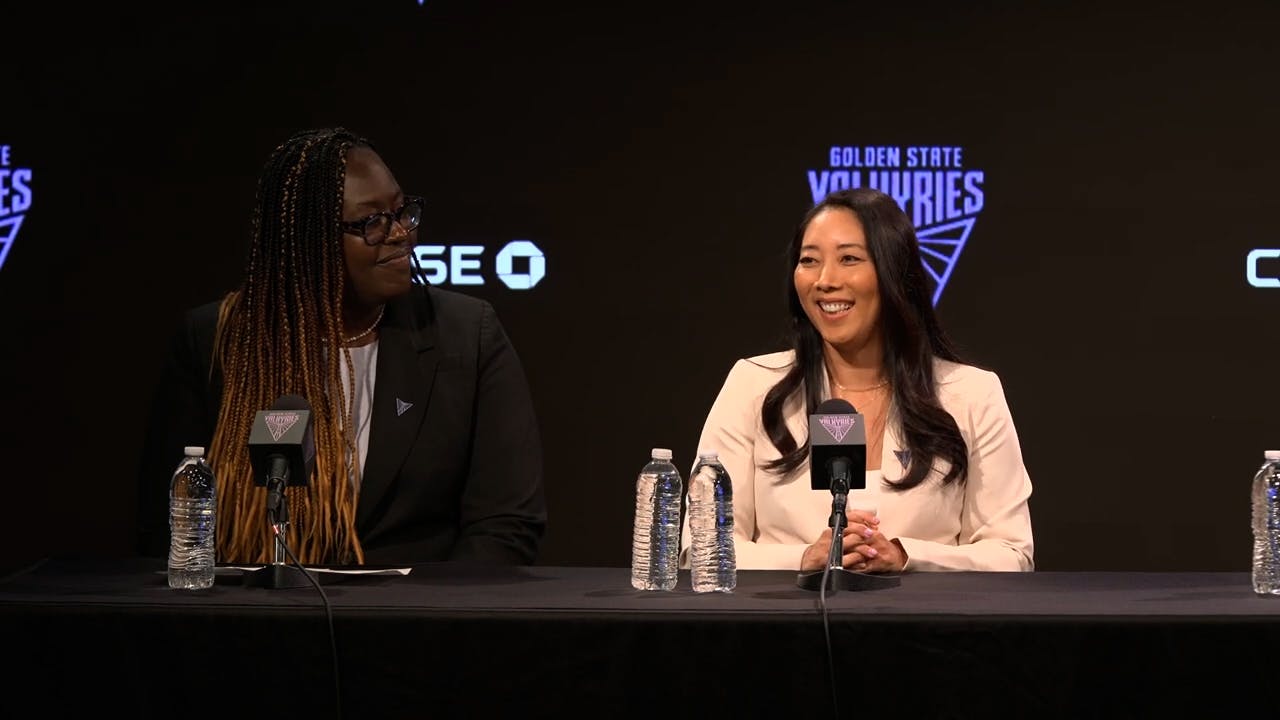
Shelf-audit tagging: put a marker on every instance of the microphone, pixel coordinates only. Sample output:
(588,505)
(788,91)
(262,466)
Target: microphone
(282,445)
(282,450)
(837,448)
(837,458)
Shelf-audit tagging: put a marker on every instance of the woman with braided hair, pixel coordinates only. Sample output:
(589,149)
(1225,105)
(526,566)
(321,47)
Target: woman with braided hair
(426,443)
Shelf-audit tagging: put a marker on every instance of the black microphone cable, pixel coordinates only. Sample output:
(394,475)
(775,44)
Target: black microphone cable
(838,470)
(826,625)
(272,511)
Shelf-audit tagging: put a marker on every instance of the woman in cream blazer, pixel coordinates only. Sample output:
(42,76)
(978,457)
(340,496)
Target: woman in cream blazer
(946,487)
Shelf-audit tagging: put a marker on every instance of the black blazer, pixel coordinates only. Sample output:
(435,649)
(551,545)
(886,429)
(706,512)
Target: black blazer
(454,464)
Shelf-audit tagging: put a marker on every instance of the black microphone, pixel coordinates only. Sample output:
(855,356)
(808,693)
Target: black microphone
(282,445)
(837,448)
(282,450)
(837,462)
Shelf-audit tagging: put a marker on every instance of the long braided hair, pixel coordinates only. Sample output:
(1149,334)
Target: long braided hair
(273,338)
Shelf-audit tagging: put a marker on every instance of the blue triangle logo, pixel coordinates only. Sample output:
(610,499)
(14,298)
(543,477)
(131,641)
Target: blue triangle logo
(904,457)
(8,232)
(940,247)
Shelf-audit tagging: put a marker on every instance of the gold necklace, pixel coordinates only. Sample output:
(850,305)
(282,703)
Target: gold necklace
(877,386)
(353,338)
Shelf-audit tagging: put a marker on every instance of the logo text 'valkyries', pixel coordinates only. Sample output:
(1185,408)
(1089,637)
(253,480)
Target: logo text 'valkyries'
(930,183)
(15,200)
(278,423)
(837,425)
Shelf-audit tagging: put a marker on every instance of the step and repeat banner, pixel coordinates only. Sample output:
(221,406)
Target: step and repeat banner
(1093,189)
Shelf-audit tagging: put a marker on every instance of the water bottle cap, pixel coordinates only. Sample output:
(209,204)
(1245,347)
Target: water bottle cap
(660,454)
(193,451)
(708,455)
(1272,455)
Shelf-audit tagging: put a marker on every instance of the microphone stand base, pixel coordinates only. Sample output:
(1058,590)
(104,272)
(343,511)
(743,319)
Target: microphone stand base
(277,576)
(841,579)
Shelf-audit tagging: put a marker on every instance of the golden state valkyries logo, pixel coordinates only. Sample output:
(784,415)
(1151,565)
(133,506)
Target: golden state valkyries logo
(837,425)
(278,423)
(930,183)
(15,199)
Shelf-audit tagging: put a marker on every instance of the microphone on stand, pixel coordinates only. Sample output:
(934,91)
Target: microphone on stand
(282,451)
(837,458)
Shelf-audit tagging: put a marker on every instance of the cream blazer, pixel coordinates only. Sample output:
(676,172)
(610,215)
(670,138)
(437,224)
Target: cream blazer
(982,525)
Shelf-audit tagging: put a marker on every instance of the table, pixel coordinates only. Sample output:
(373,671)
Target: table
(461,641)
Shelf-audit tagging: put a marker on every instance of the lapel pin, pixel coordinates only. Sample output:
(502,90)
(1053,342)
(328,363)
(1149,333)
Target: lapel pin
(904,457)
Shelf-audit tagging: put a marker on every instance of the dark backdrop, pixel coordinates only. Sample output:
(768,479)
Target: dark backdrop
(659,156)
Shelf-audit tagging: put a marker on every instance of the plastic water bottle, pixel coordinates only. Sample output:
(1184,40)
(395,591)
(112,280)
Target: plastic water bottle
(655,542)
(1266,526)
(711,556)
(192,514)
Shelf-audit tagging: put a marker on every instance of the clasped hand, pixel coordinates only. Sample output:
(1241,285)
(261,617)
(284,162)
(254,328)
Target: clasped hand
(864,549)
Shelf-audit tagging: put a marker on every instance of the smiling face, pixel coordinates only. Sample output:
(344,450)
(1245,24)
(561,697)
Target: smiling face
(836,284)
(375,273)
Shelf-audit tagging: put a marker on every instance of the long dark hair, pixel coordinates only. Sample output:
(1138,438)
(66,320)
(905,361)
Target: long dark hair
(913,338)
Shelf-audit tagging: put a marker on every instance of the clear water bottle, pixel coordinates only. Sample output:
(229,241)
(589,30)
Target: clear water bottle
(1266,526)
(192,512)
(712,561)
(655,542)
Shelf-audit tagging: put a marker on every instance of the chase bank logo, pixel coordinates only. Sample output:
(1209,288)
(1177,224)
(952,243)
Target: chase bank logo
(519,265)
(930,184)
(1262,268)
(15,199)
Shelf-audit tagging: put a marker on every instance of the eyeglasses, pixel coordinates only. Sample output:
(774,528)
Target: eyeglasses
(376,228)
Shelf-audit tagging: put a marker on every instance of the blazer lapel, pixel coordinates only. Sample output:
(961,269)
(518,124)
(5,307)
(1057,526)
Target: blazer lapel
(407,360)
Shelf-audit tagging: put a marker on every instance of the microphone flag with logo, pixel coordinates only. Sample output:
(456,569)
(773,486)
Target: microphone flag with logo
(281,442)
(837,446)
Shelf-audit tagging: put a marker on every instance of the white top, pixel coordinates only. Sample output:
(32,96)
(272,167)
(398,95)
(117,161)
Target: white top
(660,454)
(365,361)
(868,498)
(193,451)
(1272,455)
